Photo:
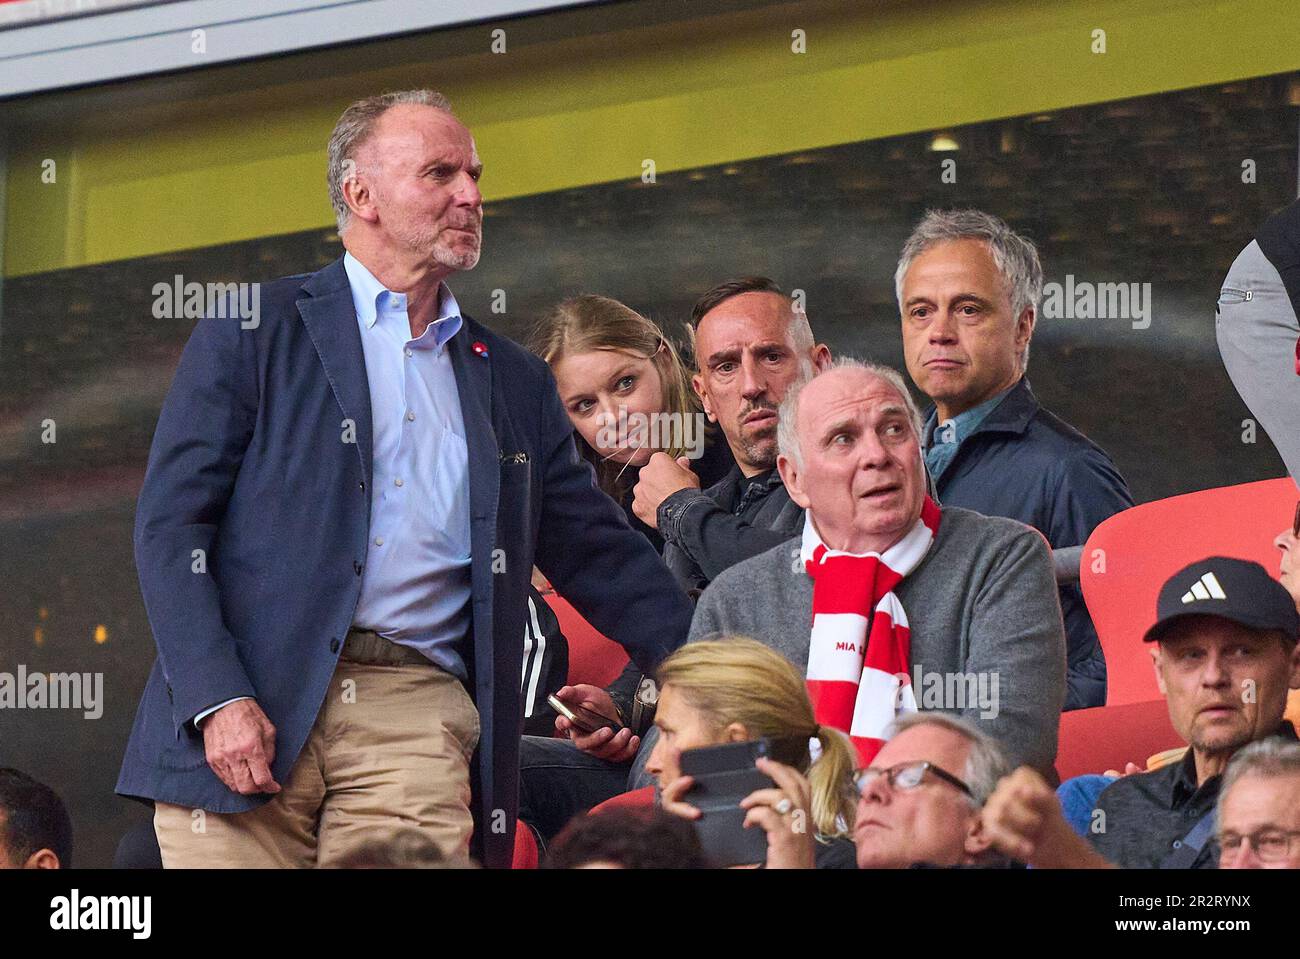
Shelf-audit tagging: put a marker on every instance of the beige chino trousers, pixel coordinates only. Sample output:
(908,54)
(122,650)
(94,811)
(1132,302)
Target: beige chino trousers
(389,753)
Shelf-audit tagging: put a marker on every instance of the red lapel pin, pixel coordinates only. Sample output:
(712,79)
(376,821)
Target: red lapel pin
(480,348)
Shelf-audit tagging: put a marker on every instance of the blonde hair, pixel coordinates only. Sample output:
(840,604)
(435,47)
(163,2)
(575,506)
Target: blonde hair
(739,680)
(584,324)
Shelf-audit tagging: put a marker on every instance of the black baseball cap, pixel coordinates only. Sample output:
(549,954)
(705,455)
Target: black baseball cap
(1234,589)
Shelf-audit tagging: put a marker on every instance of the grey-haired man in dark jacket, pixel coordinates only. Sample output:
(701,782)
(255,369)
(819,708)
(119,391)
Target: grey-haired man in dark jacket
(968,288)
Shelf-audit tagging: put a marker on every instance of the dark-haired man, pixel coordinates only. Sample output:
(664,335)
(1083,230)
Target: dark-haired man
(752,341)
(35,830)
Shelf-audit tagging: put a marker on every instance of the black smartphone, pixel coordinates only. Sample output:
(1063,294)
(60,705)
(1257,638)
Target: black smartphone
(724,775)
(581,717)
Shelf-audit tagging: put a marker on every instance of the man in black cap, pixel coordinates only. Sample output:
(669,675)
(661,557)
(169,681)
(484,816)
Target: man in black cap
(1225,653)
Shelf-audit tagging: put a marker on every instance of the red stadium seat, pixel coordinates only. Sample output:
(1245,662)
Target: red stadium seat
(525,856)
(1108,737)
(592,658)
(637,797)
(1129,556)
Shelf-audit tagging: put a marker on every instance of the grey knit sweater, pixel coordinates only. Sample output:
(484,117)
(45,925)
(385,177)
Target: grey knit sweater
(987,638)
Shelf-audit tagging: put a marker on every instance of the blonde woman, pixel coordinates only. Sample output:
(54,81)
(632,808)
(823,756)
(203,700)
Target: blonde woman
(736,689)
(628,395)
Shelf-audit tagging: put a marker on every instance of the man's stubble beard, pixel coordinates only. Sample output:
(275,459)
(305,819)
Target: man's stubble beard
(443,255)
(1221,745)
(425,240)
(760,451)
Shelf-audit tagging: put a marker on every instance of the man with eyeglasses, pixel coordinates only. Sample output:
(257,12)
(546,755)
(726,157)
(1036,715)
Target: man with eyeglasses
(1259,808)
(919,800)
(1225,653)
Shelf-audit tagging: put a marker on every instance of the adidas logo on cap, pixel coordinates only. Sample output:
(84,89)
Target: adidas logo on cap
(1223,587)
(1207,587)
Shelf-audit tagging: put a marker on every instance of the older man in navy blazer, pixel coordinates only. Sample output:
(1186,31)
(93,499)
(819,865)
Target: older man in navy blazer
(344,502)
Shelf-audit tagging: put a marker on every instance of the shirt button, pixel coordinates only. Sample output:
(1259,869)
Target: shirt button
(410,415)
(409,351)
(398,481)
(379,541)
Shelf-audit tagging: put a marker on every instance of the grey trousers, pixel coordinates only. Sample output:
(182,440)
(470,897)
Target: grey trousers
(1257,329)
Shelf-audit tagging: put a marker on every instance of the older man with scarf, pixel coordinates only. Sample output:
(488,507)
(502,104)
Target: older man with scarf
(890,602)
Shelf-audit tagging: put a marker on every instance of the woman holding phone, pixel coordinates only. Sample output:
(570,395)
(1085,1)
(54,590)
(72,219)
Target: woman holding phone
(628,395)
(736,690)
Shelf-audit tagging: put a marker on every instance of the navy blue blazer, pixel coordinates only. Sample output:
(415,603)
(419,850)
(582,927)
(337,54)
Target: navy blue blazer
(261,460)
(1024,463)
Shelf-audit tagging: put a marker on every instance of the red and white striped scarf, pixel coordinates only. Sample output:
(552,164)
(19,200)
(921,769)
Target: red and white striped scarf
(858,680)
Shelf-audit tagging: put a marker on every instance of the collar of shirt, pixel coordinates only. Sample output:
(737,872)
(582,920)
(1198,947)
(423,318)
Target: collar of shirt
(1184,788)
(766,479)
(963,424)
(372,299)
(736,492)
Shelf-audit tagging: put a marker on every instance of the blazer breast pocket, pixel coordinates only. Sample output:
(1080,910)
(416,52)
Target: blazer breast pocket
(516,482)
(516,470)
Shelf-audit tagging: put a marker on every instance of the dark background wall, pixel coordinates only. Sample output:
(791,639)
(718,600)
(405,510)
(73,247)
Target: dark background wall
(1146,190)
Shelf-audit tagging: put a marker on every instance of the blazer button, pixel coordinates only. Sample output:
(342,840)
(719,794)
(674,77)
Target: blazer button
(356,566)
(362,486)
(334,645)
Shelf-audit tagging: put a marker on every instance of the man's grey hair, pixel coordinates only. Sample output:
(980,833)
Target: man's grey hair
(1273,758)
(986,761)
(354,128)
(787,435)
(1016,256)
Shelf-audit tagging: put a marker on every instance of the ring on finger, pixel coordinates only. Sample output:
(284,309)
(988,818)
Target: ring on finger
(784,806)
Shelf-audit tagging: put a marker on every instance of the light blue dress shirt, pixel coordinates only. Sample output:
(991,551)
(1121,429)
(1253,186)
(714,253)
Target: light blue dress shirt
(943,441)
(415,586)
(415,589)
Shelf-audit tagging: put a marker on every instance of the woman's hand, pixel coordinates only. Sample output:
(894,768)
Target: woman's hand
(785,813)
(671,798)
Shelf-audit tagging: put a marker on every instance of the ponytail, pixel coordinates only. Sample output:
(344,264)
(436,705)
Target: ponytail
(834,798)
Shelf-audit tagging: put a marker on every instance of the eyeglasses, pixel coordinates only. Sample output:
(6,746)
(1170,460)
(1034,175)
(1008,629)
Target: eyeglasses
(907,776)
(1270,845)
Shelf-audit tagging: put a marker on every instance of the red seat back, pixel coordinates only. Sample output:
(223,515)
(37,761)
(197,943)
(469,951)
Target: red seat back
(525,856)
(1130,555)
(592,658)
(644,796)
(1108,737)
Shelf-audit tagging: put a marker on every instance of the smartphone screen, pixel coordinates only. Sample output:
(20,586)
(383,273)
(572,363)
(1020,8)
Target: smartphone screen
(589,721)
(581,717)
